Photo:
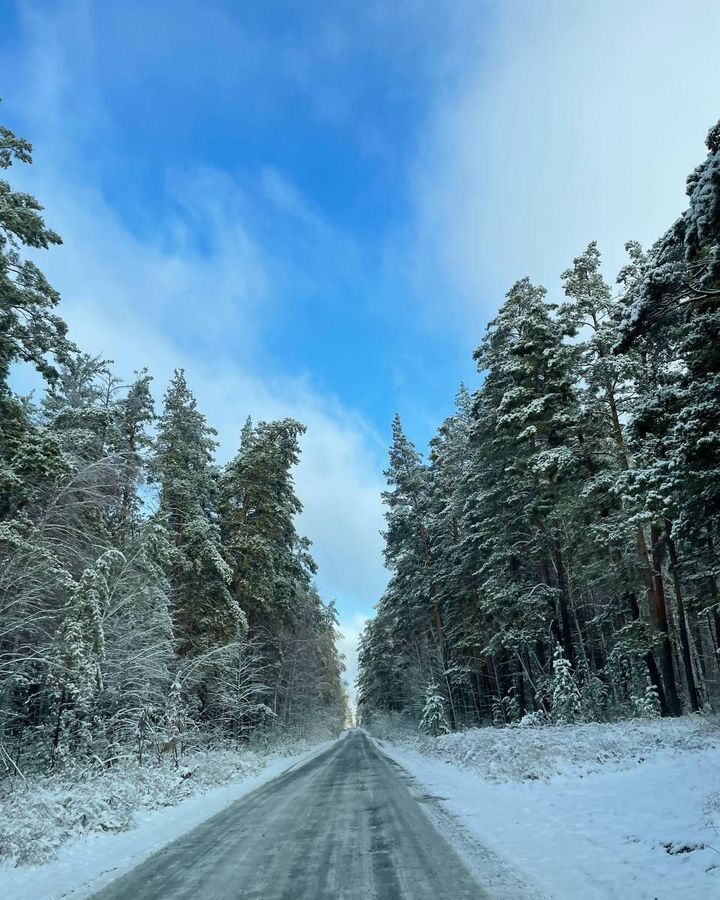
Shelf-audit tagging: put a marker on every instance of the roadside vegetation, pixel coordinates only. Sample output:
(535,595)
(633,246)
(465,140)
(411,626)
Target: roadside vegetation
(155,606)
(555,559)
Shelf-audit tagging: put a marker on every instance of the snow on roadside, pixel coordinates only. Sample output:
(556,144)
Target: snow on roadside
(86,864)
(624,810)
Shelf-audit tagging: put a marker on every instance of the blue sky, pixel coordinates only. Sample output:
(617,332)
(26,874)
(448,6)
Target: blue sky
(316,207)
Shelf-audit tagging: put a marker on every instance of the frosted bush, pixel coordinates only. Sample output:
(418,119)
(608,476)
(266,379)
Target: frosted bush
(41,814)
(542,752)
(712,811)
(566,704)
(433,721)
(505,710)
(533,719)
(391,726)
(647,706)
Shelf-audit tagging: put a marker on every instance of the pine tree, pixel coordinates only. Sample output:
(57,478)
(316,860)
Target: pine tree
(608,396)
(434,721)
(569,507)
(647,706)
(408,549)
(82,655)
(505,710)
(78,407)
(271,563)
(593,699)
(30,332)
(381,670)
(29,329)
(566,705)
(527,418)
(673,317)
(130,439)
(205,612)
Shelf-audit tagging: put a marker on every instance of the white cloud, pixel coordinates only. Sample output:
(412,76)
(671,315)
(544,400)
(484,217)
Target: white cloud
(551,124)
(573,122)
(165,299)
(351,630)
(147,303)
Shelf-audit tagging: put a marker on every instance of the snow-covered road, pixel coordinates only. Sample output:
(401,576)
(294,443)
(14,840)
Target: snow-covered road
(346,824)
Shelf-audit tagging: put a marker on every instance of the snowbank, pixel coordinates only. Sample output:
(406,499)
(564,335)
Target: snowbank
(92,831)
(624,810)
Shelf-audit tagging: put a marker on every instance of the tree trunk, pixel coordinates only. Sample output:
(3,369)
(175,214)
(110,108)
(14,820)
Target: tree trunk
(682,619)
(653,671)
(659,617)
(560,634)
(437,616)
(655,590)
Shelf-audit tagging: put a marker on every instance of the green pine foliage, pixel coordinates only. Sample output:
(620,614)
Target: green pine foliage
(149,598)
(555,557)
(566,704)
(433,721)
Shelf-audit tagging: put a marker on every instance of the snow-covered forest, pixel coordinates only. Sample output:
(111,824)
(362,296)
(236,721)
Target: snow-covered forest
(152,602)
(555,559)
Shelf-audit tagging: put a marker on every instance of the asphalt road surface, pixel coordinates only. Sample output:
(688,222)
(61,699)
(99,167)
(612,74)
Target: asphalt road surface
(343,826)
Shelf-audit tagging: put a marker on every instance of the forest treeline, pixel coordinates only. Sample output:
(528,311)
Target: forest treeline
(148,596)
(555,558)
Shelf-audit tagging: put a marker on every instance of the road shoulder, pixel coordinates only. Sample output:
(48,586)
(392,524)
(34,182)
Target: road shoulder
(492,871)
(599,828)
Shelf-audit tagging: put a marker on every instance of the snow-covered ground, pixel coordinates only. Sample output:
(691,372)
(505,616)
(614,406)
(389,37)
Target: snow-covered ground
(153,809)
(625,810)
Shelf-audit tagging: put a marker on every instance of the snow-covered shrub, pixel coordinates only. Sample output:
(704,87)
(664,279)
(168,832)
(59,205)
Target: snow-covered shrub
(541,753)
(505,710)
(433,721)
(593,699)
(534,719)
(39,815)
(647,705)
(566,706)
(390,726)
(712,811)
